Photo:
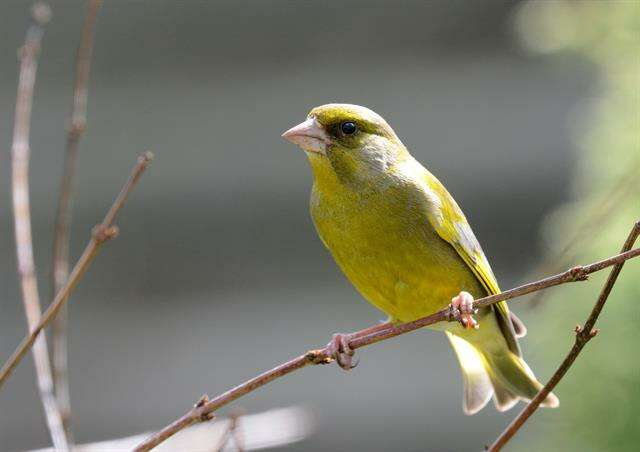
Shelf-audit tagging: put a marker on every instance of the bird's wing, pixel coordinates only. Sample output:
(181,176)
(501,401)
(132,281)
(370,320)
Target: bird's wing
(447,219)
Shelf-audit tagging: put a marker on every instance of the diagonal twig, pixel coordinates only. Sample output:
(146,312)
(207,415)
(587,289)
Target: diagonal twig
(583,335)
(20,153)
(100,234)
(204,411)
(60,272)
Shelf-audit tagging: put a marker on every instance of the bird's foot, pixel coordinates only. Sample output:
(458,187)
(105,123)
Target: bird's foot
(462,310)
(341,352)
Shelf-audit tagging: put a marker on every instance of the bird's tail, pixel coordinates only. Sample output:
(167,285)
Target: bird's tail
(501,374)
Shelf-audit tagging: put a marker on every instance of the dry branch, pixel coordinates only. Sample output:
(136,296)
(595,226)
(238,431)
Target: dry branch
(20,153)
(583,335)
(204,410)
(100,234)
(60,272)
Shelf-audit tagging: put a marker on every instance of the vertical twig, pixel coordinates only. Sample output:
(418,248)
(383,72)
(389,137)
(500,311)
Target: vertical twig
(583,335)
(20,151)
(60,272)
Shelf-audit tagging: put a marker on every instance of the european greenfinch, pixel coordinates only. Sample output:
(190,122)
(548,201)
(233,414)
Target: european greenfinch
(403,242)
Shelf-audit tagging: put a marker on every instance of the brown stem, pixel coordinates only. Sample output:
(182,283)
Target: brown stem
(100,234)
(60,272)
(20,153)
(204,410)
(583,335)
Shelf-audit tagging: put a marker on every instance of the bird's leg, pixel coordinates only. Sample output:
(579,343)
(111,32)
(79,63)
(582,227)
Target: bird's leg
(461,309)
(341,352)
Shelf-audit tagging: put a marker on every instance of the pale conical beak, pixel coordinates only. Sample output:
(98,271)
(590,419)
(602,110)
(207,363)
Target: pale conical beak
(309,136)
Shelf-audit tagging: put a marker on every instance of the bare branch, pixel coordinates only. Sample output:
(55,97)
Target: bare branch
(205,410)
(583,335)
(60,272)
(20,153)
(100,234)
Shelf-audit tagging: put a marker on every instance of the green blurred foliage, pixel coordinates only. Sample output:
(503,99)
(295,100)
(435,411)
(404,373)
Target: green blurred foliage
(600,396)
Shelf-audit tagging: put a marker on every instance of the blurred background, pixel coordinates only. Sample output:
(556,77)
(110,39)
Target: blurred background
(527,111)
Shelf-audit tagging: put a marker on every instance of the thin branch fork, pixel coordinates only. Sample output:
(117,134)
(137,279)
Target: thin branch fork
(205,408)
(60,266)
(583,335)
(20,154)
(102,233)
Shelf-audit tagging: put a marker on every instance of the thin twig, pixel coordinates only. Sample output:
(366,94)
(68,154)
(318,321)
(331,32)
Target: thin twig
(100,234)
(583,335)
(20,153)
(60,272)
(205,410)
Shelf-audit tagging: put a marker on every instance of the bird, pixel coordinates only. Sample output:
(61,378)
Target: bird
(404,243)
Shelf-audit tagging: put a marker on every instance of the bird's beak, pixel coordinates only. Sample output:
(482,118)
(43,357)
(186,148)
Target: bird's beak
(309,136)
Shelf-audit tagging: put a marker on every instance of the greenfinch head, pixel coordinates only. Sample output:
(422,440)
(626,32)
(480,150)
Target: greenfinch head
(353,141)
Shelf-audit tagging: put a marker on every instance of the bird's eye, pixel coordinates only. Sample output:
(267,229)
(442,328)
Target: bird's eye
(348,128)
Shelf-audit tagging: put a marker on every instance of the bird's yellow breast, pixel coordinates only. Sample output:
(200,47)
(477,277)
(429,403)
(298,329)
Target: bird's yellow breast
(383,242)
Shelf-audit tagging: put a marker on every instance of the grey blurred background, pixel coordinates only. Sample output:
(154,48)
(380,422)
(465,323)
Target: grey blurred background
(218,273)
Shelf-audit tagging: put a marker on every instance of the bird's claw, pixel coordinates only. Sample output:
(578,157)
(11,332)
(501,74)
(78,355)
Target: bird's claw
(341,352)
(462,310)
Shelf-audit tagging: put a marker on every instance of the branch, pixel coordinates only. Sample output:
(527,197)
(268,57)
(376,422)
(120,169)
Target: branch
(100,234)
(20,152)
(204,410)
(583,335)
(60,272)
